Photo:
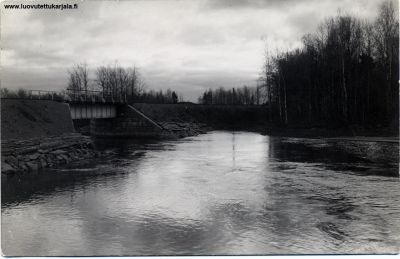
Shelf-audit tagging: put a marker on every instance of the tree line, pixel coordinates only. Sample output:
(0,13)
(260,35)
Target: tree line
(119,82)
(10,93)
(236,96)
(346,73)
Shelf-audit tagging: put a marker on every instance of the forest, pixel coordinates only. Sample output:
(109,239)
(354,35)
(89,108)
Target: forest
(236,96)
(345,74)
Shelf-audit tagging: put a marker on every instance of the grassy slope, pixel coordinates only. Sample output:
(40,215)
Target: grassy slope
(23,119)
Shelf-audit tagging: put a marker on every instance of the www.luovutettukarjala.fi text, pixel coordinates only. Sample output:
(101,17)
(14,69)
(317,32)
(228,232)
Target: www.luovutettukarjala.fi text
(41,6)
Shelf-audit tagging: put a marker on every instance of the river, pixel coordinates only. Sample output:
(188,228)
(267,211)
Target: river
(216,193)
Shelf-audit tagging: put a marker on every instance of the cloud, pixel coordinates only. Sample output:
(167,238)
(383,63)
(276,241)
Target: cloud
(252,4)
(34,78)
(184,45)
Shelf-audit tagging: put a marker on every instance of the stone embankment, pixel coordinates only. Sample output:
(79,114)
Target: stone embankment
(37,153)
(184,129)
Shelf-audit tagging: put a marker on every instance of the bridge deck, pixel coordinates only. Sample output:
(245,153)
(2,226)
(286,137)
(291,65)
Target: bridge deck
(72,96)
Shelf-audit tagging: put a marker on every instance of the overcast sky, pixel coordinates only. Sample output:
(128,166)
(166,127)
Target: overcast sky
(188,46)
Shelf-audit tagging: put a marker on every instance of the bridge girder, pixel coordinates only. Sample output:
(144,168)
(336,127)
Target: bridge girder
(92,111)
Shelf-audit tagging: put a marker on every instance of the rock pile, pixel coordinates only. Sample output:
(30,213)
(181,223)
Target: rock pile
(37,153)
(184,129)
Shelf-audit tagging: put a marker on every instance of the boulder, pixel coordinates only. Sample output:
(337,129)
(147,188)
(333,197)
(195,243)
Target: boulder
(7,151)
(11,160)
(24,167)
(43,163)
(7,169)
(58,152)
(34,156)
(26,150)
(32,166)
(65,158)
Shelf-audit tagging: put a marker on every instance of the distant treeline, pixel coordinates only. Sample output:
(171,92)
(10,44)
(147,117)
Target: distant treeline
(236,96)
(9,93)
(116,81)
(119,82)
(346,73)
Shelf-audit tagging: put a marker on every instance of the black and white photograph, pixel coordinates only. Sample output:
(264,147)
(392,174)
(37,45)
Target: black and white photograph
(199,127)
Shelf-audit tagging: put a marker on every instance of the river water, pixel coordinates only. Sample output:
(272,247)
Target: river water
(216,193)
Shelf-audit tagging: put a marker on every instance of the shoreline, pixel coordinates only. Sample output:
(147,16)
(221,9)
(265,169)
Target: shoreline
(20,156)
(35,154)
(338,133)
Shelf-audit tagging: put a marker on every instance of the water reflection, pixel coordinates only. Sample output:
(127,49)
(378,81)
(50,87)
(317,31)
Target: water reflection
(218,193)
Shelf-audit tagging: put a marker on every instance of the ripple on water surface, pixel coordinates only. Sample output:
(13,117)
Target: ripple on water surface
(217,193)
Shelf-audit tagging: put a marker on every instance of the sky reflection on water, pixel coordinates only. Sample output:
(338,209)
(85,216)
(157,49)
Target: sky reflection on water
(217,193)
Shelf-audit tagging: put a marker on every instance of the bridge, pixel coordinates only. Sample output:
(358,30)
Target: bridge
(110,113)
(84,104)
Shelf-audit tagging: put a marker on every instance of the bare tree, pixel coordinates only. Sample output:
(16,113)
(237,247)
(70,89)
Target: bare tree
(387,51)
(345,74)
(119,82)
(78,78)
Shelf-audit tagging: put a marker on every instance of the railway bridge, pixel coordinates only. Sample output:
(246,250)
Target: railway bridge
(109,114)
(83,104)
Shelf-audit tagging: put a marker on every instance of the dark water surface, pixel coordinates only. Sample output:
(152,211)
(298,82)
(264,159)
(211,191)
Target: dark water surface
(217,193)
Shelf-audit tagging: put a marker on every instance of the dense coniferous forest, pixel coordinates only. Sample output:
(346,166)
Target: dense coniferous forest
(345,74)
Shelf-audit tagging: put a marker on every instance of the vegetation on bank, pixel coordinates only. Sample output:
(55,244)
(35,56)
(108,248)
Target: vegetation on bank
(345,74)
(236,96)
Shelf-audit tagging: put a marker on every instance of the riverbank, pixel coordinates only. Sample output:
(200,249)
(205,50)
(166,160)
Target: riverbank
(31,155)
(184,129)
(216,117)
(25,119)
(39,134)
(35,154)
(345,132)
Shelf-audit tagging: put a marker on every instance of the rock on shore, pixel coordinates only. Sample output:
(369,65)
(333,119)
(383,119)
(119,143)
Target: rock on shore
(31,155)
(184,129)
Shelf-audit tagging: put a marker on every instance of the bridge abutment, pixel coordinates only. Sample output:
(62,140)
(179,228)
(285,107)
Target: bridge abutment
(127,123)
